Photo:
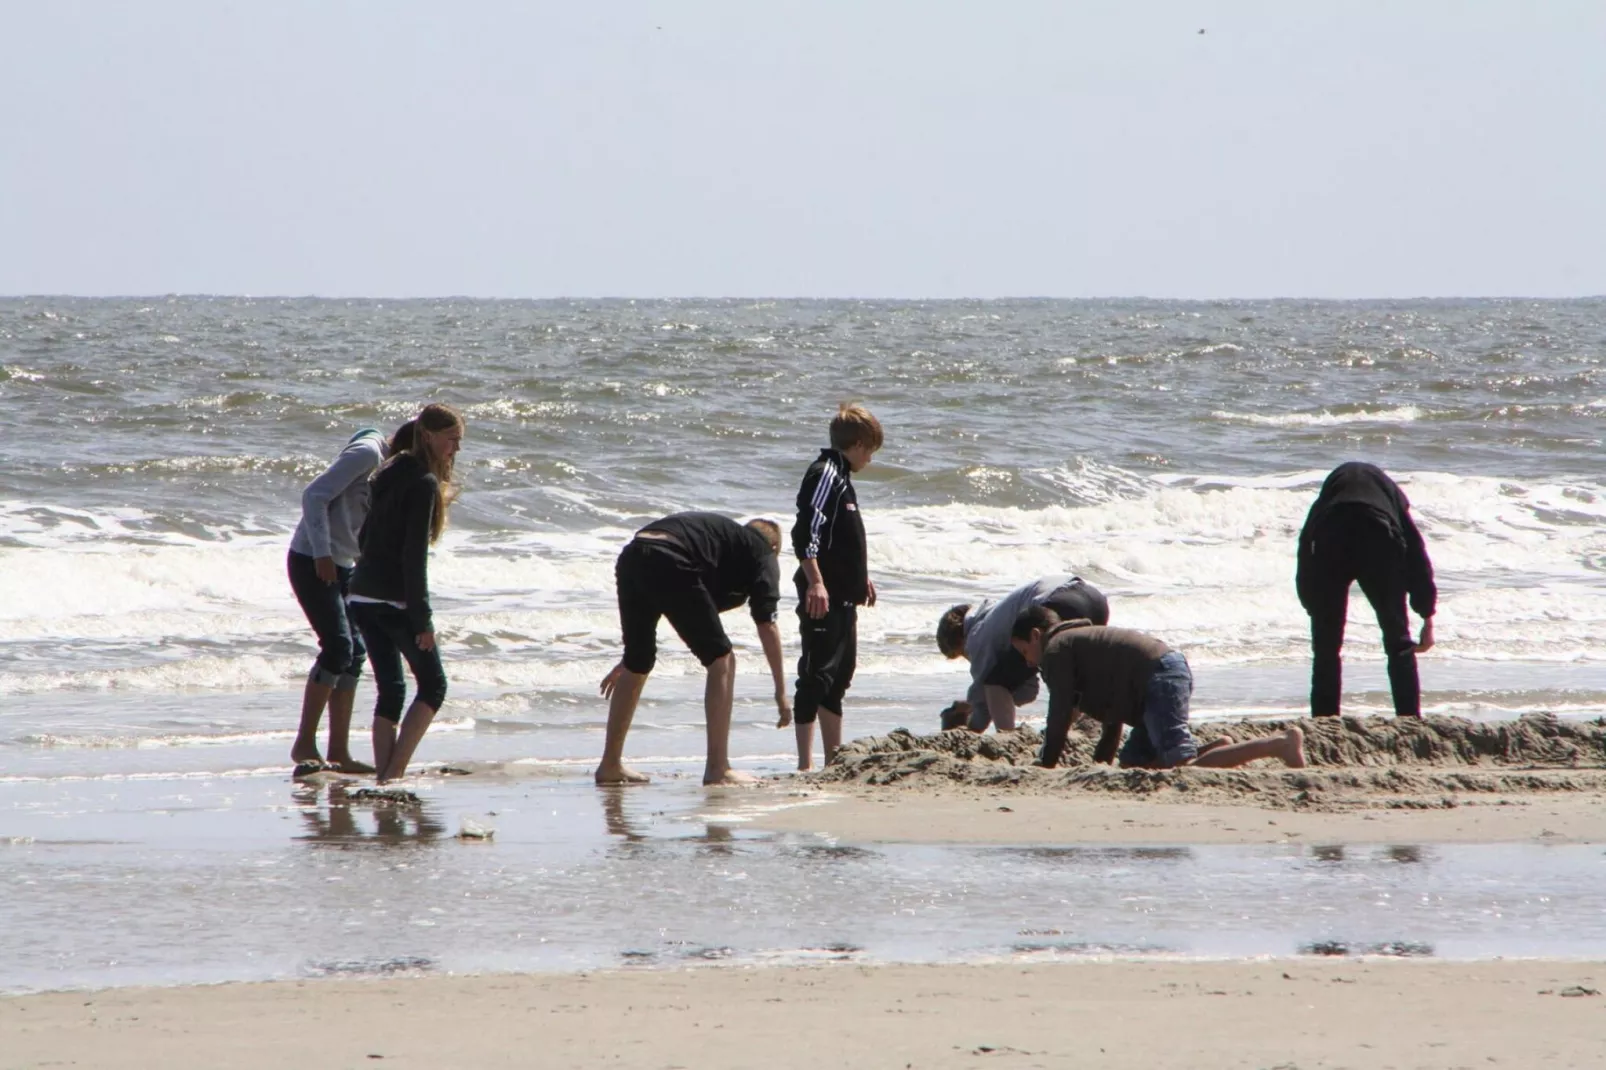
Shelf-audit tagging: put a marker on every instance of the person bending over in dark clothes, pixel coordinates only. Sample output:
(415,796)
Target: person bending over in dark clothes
(1122,677)
(1360,529)
(1000,681)
(691,567)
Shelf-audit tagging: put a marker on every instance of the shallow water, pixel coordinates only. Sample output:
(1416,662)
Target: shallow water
(163,881)
(1165,450)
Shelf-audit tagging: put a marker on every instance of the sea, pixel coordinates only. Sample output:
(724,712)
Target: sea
(152,656)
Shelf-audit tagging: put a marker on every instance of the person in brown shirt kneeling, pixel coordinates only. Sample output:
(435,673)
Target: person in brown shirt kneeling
(1122,677)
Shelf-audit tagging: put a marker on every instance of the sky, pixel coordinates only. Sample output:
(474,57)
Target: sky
(861,148)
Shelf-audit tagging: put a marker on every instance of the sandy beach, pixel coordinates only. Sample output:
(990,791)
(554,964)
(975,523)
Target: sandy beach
(1278,1015)
(1284,1013)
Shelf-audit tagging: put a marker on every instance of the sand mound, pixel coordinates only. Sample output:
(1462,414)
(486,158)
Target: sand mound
(1354,762)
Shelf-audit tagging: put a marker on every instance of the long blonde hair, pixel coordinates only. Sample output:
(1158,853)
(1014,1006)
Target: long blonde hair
(434,418)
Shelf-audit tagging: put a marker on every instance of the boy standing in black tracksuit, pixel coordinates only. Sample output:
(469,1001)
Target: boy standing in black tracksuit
(1360,528)
(832,579)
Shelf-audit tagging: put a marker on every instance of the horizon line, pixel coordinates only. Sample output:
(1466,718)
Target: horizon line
(1005,298)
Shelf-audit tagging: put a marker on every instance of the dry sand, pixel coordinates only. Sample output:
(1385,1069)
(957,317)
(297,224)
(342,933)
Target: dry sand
(1139,1015)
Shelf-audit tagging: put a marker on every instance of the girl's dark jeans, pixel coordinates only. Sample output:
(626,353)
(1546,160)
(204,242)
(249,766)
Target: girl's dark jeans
(391,638)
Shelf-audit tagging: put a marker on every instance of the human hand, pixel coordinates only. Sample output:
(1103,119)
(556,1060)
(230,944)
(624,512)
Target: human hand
(611,681)
(325,568)
(1425,642)
(869,593)
(815,601)
(425,640)
(783,706)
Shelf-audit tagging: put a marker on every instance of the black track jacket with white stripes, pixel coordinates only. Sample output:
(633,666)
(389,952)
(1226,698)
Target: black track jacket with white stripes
(830,530)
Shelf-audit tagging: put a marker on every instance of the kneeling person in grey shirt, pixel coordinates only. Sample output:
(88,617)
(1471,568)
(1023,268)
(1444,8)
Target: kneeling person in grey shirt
(1000,681)
(1122,677)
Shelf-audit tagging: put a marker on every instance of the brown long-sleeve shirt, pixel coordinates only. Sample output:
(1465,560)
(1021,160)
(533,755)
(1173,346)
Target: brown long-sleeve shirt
(1101,671)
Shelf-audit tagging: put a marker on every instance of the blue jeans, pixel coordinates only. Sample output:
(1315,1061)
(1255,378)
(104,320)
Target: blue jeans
(1163,739)
(390,639)
(340,646)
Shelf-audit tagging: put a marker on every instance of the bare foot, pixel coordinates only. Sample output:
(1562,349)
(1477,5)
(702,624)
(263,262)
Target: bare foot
(348,764)
(805,767)
(732,776)
(622,774)
(1294,755)
(302,755)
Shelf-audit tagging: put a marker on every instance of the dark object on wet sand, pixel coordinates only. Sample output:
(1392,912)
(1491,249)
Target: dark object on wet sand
(394,796)
(955,715)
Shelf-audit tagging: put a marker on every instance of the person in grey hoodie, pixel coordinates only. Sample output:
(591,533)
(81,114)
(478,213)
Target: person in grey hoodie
(1000,680)
(323,552)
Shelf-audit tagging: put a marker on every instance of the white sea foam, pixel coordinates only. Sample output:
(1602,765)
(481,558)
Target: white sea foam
(1204,561)
(1400,414)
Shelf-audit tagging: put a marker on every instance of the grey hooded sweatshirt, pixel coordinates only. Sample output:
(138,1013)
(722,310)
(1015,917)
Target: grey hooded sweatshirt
(335,504)
(987,629)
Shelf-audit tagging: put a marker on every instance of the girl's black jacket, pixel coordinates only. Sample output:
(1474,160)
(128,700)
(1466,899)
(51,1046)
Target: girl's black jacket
(394,564)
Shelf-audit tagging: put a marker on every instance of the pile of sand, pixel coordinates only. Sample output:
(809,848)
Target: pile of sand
(1353,762)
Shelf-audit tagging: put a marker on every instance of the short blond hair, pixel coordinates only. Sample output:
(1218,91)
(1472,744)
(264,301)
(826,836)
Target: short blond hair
(770,530)
(854,425)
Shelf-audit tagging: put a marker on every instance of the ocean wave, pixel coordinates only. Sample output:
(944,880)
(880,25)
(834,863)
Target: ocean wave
(1325,418)
(1203,559)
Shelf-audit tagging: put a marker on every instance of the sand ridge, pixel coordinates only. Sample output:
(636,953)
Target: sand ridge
(1354,763)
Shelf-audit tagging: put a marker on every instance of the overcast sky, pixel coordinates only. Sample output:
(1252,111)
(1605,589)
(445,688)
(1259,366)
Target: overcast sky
(865,148)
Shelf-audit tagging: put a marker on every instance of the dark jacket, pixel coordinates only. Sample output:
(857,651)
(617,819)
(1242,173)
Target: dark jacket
(830,530)
(1365,489)
(736,562)
(394,565)
(1102,671)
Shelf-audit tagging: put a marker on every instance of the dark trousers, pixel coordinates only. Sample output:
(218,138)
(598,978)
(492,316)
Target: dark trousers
(655,578)
(390,638)
(1352,547)
(340,649)
(830,654)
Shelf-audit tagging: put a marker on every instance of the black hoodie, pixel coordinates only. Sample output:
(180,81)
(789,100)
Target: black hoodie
(1356,485)
(394,565)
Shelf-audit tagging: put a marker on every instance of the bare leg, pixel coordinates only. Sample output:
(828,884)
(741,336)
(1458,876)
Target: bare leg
(717,697)
(384,733)
(413,727)
(340,703)
(805,745)
(313,699)
(625,692)
(830,734)
(1289,747)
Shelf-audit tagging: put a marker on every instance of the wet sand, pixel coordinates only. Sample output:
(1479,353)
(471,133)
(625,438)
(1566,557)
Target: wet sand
(1422,784)
(1143,1016)
(949,813)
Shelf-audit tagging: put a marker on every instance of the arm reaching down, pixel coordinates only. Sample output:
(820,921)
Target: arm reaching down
(1109,742)
(769,637)
(1001,707)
